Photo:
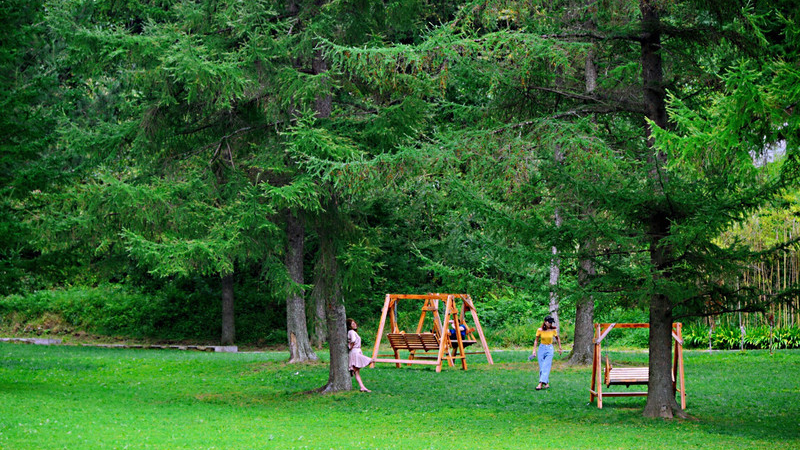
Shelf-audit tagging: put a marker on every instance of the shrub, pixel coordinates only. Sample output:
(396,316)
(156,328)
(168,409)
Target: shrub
(757,337)
(107,309)
(728,337)
(521,335)
(507,310)
(695,336)
(787,337)
(186,309)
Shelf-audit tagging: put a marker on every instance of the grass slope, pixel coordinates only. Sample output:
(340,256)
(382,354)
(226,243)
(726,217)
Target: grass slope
(93,398)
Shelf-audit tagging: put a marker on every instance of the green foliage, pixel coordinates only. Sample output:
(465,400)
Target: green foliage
(29,99)
(695,336)
(631,338)
(182,310)
(727,337)
(508,309)
(505,101)
(104,310)
(516,335)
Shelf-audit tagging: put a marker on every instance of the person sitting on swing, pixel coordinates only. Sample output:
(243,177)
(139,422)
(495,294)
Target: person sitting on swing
(461,327)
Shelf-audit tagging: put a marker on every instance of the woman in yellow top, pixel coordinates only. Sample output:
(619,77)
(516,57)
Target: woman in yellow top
(546,335)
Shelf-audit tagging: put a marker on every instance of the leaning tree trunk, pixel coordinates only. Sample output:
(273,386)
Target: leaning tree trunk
(555,260)
(338,375)
(660,395)
(228,326)
(582,344)
(296,328)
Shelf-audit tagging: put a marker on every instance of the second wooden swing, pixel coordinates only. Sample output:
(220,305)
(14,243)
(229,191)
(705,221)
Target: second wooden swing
(627,376)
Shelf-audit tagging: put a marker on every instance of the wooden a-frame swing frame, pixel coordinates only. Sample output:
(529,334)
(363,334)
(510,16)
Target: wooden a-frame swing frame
(632,375)
(430,348)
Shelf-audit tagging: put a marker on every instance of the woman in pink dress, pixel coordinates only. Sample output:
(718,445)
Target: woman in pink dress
(357,359)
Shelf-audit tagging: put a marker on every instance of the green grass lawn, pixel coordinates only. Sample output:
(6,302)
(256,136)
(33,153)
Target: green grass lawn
(89,398)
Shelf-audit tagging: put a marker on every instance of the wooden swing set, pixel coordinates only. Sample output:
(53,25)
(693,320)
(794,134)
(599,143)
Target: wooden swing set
(435,346)
(617,376)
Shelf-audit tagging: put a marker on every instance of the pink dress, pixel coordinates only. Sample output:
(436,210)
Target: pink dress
(356,358)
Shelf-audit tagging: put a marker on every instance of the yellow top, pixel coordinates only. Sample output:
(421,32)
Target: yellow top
(546,336)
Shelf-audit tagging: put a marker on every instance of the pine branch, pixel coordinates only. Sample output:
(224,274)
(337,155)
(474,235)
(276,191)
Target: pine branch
(580,112)
(699,35)
(593,36)
(221,31)
(513,126)
(225,140)
(610,105)
(588,98)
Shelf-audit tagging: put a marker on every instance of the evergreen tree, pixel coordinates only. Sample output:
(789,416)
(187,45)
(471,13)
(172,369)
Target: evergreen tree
(29,97)
(209,131)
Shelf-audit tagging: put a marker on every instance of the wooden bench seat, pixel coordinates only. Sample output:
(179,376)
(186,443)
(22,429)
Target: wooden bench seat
(627,376)
(618,376)
(414,341)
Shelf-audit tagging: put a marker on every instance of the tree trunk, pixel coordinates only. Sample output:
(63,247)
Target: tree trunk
(660,395)
(318,295)
(296,327)
(653,76)
(555,261)
(555,272)
(323,104)
(338,375)
(322,287)
(228,326)
(582,347)
(591,72)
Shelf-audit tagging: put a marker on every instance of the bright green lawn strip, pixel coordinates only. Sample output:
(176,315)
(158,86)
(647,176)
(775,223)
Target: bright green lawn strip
(63,397)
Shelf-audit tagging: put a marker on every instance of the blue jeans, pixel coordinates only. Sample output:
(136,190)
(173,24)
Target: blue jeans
(545,355)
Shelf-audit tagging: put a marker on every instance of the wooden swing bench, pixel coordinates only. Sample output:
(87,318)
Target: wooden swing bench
(627,376)
(427,342)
